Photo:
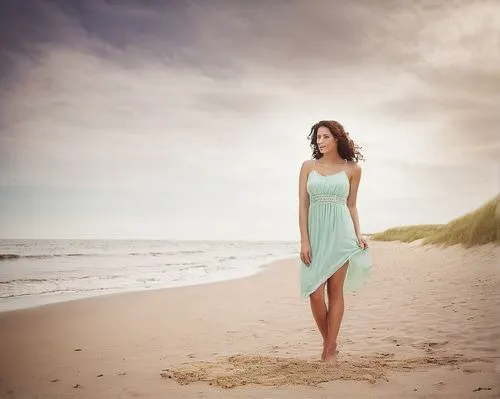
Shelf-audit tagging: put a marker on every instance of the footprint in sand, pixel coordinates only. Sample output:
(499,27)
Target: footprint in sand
(430,345)
(385,354)
(481,389)
(274,348)
(470,370)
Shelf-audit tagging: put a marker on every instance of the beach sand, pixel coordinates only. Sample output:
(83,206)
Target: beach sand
(426,325)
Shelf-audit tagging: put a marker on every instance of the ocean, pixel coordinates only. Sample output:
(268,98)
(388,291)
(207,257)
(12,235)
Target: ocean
(39,272)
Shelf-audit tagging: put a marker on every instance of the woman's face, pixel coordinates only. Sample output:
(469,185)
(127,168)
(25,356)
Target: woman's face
(325,140)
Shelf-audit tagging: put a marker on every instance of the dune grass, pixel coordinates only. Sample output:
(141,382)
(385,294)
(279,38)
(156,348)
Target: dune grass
(481,226)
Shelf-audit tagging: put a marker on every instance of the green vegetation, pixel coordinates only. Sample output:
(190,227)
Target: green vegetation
(481,226)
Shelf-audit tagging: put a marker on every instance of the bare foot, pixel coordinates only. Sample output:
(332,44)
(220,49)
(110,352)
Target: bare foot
(324,351)
(330,355)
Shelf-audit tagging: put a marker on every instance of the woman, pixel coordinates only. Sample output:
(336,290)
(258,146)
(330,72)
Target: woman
(333,251)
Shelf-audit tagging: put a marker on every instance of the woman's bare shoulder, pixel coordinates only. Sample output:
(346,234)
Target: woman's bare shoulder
(354,165)
(307,165)
(354,168)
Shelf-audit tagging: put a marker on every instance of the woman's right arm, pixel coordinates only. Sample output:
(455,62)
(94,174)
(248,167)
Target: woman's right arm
(305,252)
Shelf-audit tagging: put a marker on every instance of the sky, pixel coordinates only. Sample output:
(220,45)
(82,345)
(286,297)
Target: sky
(189,119)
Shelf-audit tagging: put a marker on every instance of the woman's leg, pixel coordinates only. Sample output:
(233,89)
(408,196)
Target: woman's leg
(335,288)
(319,311)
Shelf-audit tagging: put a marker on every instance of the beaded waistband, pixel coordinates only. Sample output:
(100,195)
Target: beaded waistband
(328,198)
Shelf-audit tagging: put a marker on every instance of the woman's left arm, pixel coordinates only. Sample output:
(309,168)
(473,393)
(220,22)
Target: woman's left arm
(351,203)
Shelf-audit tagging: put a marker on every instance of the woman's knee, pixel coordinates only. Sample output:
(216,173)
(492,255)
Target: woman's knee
(319,294)
(335,288)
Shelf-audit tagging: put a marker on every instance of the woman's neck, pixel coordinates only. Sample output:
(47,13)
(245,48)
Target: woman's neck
(327,158)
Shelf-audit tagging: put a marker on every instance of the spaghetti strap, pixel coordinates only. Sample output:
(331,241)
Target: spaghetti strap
(314,165)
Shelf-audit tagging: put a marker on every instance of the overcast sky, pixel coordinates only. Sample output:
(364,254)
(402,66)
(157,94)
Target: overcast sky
(189,119)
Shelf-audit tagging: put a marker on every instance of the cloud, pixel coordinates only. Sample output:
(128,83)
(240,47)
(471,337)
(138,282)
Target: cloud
(218,38)
(455,83)
(167,102)
(283,41)
(465,102)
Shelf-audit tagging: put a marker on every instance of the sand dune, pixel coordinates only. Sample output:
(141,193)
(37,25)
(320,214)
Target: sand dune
(426,325)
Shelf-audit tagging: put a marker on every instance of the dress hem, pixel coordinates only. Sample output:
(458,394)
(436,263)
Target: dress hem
(329,274)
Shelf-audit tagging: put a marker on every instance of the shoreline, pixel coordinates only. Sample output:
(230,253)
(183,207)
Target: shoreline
(37,301)
(423,309)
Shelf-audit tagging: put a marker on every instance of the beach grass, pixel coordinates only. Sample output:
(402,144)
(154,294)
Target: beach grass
(478,227)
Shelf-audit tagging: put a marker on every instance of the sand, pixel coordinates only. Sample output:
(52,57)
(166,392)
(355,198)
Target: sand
(426,325)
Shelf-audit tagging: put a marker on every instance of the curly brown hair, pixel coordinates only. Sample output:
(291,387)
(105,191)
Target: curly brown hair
(346,148)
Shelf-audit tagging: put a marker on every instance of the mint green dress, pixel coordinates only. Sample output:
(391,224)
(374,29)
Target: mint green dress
(331,235)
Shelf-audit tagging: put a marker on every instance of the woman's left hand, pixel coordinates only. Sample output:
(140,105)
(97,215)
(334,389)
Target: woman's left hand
(362,242)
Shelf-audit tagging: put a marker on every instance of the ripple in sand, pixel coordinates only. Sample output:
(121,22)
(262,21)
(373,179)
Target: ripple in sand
(238,370)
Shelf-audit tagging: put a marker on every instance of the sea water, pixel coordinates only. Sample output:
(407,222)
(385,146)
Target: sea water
(38,272)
